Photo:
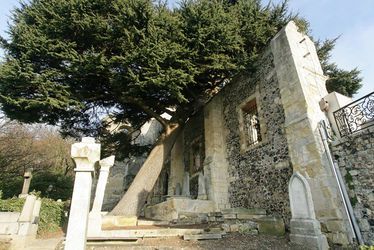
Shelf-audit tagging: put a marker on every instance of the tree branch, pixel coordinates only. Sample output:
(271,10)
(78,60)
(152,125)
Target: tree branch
(147,110)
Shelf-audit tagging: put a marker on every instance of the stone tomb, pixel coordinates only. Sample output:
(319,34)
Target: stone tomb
(305,229)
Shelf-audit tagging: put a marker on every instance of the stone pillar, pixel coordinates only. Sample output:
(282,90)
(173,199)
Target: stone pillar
(215,163)
(85,155)
(202,188)
(305,229)
(186,185)
(176,167)
(26,182)
(105,165)
(302,86)
(95,218)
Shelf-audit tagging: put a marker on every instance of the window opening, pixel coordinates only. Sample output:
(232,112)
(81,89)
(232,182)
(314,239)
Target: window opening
(252,133)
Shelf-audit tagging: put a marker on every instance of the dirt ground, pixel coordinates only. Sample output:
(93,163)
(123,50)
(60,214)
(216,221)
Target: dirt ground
(230,241)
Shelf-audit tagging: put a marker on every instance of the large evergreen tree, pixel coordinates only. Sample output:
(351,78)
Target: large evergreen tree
(72,62)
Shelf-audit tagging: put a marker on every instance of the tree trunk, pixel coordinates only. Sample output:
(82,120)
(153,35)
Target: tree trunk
(135,197)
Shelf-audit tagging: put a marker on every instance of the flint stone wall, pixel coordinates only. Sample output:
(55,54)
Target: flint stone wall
(355,157)
(259,176)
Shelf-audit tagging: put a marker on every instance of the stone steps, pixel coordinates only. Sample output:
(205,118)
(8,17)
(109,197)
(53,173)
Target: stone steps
(206,236)
(146,233)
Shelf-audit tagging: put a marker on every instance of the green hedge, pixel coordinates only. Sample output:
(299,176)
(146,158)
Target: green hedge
(11,205)
(51,216)
(51,212)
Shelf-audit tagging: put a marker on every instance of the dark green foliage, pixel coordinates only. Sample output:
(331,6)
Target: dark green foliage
(52,185)
(51,216)
(73,62)
(62,186)
(346,82)
(13,204)
(11,186)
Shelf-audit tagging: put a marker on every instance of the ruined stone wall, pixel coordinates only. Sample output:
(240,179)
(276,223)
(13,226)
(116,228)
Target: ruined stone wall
(259,175)
(355,157)
(120,177)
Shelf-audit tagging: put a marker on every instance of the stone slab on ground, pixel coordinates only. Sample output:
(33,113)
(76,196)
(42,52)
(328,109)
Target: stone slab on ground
(202,236)
(118,221)
(152,223)
(30,243)
(170,209)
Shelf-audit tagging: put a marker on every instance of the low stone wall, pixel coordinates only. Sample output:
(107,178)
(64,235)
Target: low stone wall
(355,157)
(24,223)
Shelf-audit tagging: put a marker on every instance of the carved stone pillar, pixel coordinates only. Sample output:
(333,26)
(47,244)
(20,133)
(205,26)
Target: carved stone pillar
(85,155)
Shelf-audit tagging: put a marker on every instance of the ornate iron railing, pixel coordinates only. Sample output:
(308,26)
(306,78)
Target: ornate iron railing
(355,116)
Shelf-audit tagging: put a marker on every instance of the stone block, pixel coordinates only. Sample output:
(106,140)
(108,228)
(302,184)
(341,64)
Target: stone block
(309,242)
(172,207)
(9,216)
(234,228)
(225,227)
(28,209)
(25,228)
(229,216)
(248,228)
(119,221)
(216,214)
(202,236)
(306,227)
(271,226)
(8,228)
(334,226)
(340,238)
(220,219)
(249,216)
(211,219)
(364,225)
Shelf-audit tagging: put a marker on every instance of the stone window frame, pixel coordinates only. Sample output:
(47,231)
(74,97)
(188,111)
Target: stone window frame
(243,147)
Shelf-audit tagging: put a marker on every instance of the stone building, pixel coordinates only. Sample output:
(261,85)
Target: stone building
(241,149)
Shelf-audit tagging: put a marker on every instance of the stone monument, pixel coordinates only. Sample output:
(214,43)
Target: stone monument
(202,194)
(305,229)
(186,185)
(95,218)
(26,183)
(85,154)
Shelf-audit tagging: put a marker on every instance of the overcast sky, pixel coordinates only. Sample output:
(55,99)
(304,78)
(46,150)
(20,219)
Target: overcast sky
(353,21)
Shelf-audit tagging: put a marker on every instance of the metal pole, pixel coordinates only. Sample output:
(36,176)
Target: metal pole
(345,199)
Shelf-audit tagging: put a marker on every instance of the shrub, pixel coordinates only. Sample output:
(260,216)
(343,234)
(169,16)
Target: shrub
(61,185)
(51,216)
(11,186)
(14,204)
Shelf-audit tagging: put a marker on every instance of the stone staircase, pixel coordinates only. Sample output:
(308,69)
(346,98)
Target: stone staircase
(193,226)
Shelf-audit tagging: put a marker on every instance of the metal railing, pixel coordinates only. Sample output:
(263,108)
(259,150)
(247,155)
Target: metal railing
(355,116)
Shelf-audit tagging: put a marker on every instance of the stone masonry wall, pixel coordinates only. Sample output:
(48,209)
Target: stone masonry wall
(259,176)
(355,157)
